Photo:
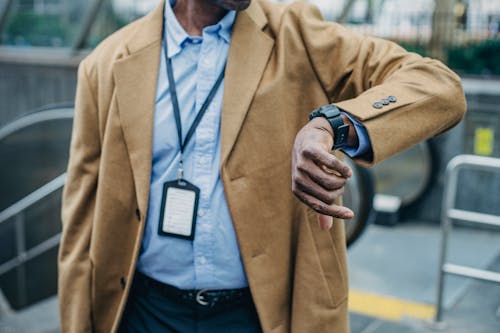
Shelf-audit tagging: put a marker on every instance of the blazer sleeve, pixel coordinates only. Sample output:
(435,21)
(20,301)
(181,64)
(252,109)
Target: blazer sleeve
(74,264)
(357,71)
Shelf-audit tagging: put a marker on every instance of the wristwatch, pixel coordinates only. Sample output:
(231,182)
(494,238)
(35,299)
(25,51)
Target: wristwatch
(340,130)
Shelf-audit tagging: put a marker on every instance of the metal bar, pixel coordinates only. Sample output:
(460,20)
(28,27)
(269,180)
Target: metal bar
(33,198)
(478,274)
(5,308)
(473,162)
(31,253)
(4,12)
(21,253)
(446,224)
(464,215)
(346,10)
(35,118)
(448,213)
(88,22)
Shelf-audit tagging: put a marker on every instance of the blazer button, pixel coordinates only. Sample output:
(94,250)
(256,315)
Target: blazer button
(378,105)
(392,99)
(386,101)
(123,282)
(138,214)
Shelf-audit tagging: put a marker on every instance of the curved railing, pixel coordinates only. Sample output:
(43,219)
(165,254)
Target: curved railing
(26,244)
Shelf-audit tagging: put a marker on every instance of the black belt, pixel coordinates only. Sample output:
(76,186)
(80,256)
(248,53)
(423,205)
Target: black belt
(203,297)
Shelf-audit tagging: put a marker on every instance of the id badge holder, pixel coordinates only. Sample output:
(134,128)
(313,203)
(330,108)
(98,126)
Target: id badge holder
(179,207)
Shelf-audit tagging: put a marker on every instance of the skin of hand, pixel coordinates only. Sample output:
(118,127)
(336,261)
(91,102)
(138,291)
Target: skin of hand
(318,177)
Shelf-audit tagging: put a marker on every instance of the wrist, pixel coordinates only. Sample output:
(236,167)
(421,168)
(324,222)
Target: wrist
(338,127)
(352,140)
(322,124)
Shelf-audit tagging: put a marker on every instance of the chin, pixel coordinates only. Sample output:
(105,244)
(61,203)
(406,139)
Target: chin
(232,4)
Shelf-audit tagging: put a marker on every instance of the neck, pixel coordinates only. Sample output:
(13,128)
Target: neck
(195,15)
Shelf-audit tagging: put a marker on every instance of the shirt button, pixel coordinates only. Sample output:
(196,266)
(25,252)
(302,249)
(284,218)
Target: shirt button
(378,105)
(392,99)
(203,260)
(201,212)
(385,101)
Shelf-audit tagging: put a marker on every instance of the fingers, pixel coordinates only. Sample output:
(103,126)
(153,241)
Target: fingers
(332,164)
(318,177)
(325,222)
(327,180)
(324,208)
(328,196)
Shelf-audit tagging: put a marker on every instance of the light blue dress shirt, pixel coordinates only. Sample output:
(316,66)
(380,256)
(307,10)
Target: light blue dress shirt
(213,259)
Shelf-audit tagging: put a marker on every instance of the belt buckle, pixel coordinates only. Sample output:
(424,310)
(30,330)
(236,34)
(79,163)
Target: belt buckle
(200,297)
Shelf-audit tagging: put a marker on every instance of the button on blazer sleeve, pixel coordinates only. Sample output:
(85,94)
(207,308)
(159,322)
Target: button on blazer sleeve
(75,266)
(358,71)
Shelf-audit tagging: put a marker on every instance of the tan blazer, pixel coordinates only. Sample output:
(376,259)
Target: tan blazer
(284,61)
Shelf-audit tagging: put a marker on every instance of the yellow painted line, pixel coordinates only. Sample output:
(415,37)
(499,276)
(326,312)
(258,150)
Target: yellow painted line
(388,308)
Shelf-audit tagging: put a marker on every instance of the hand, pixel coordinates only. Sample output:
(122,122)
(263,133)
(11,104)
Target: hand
(318,177)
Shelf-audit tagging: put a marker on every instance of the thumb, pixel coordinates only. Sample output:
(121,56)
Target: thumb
(325,222)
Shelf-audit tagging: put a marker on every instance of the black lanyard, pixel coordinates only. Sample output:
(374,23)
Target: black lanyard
(175,105)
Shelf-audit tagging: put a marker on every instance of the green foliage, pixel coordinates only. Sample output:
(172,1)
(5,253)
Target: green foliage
(473,58)
(416,48)
(38,30)
(30,28)
(476,58)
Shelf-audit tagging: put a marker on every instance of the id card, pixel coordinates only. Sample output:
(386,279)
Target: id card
(179,207)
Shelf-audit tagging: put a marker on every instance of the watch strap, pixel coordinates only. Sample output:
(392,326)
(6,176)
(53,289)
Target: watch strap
(334,117)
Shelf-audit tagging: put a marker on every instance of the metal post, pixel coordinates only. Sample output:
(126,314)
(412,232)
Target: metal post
(449,213)
(4,11)
(21,253)
(446,225)
(346,11)
(88,22)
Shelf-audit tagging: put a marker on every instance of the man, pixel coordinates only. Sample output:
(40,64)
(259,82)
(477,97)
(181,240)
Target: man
(175,227)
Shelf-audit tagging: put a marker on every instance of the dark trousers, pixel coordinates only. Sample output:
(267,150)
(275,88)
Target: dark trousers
(151,309)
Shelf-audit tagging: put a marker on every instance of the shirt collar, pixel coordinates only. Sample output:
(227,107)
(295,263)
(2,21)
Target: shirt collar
(177,36)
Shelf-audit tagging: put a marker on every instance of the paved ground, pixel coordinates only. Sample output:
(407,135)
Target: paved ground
(400,266)
(393,277)
(477,311)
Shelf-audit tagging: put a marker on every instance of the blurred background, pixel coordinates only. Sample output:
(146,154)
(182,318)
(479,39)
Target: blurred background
(401,278)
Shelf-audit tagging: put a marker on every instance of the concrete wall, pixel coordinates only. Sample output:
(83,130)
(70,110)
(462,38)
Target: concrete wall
(30,80)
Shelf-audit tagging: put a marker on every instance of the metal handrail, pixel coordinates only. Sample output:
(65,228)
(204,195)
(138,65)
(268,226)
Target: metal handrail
(33,198)
(30,254)
(450,213)
(38,116)
(24,255)
(53,112)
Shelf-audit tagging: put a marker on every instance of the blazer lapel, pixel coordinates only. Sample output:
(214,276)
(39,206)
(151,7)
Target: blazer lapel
(248,55)
(136,76)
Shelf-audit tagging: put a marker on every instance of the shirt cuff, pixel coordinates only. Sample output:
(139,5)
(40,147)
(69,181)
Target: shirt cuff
(364,145)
